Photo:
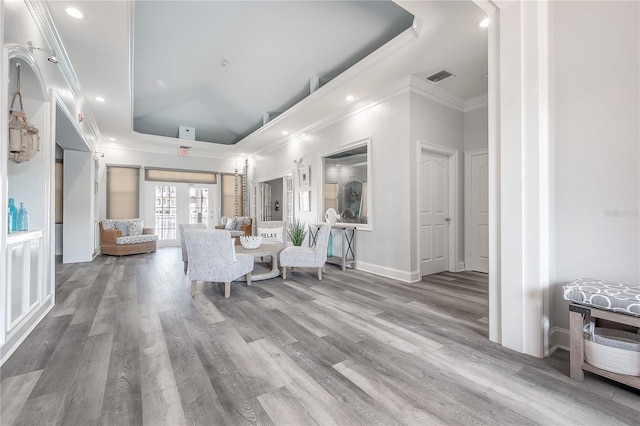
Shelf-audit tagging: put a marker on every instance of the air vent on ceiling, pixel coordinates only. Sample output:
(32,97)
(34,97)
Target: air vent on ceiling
(439,76)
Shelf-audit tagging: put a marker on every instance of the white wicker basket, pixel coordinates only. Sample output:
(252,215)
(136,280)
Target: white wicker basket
(251,241)
(613,350)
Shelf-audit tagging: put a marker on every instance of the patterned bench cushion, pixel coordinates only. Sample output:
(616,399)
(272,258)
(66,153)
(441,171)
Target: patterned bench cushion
(608,295)
(135,239)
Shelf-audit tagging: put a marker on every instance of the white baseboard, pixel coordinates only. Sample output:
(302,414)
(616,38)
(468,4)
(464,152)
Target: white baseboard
(395,274)
(558,339)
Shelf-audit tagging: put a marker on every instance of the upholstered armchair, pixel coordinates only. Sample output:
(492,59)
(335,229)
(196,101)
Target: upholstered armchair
(212,258)
(307,257)
(181,228)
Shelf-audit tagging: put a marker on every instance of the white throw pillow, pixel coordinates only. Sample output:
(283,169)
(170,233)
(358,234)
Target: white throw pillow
(230,225)
(271,235)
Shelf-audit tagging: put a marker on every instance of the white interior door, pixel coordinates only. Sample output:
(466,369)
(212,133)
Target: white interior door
(168,204)
(477,229)
(434,217)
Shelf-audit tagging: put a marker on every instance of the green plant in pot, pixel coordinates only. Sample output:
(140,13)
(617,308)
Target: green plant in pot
(297,232)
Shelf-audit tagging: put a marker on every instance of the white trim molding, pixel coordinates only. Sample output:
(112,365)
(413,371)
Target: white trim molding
(475,103)
(396,274)
(558,339)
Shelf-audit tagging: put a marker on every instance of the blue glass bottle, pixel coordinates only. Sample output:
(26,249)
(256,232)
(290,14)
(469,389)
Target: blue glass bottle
(23,218)
(13,216)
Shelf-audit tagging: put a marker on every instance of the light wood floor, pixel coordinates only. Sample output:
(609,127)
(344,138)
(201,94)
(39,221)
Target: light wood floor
(127,345)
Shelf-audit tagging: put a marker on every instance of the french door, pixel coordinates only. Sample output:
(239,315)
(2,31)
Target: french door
(168,204)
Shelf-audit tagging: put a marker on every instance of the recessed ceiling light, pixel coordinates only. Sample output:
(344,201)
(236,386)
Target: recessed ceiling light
(99,99)
(75,13)
(112,139)
(483,23)
(349,98)
(284,132)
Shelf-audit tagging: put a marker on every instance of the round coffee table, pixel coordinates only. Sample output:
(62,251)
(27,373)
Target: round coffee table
(265,250)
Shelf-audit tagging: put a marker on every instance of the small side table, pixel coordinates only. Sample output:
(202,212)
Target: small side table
(348,234)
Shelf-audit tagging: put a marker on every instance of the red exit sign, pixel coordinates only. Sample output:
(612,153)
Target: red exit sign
(183,151)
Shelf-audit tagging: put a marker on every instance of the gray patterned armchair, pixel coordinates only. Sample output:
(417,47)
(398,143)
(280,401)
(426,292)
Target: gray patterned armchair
(212,258)
(309,257)
(181,229)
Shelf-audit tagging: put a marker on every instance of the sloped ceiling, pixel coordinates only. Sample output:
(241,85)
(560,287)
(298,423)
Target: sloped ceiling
(220,66)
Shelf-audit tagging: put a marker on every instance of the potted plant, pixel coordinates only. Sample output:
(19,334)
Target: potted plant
(297,232)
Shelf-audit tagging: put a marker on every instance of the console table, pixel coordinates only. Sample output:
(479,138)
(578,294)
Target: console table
(348,235)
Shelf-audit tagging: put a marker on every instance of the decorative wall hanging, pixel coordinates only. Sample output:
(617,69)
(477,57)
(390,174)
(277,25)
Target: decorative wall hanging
(24,140)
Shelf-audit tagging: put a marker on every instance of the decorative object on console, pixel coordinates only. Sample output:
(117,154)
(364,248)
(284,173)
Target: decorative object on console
(251,242)
(331,216)
(23,218)
(297,232)
(24,140)
(12,226)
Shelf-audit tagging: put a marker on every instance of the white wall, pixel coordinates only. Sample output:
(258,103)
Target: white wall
(115,156)
(436,124)
(386,248)
(78,235)
(476,129)
(596,58)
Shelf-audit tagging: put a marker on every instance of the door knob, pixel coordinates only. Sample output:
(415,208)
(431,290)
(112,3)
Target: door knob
(447,219)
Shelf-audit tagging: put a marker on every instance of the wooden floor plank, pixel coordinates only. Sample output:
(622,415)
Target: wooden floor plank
(14,392)
(127,344)
(83,404)
(160,397)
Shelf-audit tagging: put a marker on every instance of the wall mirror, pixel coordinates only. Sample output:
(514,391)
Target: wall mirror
(346,185)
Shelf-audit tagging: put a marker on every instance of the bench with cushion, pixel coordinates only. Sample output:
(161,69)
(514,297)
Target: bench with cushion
(120,237)
(614,304)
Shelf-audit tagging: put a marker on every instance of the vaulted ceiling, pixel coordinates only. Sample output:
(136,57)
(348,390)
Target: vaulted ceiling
(224,67)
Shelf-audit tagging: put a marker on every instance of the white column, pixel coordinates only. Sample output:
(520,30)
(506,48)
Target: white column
(78,227)
(519,175)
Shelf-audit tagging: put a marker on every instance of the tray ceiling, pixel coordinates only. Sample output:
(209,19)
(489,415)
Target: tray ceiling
(221,66)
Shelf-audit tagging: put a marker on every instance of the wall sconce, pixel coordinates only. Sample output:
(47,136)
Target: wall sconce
(52,54)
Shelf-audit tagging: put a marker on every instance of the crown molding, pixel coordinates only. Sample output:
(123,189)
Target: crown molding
(42,17)
(169,146)
(476,102)
(433,92)
(408,36)
(398,88)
